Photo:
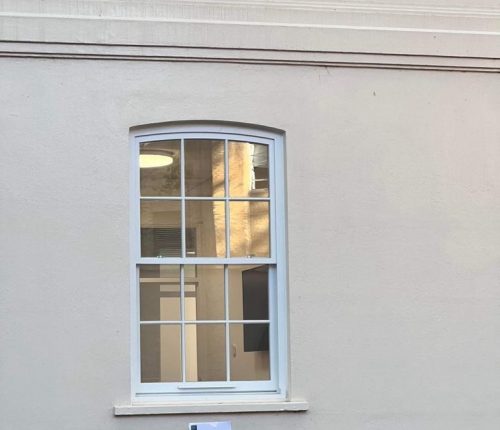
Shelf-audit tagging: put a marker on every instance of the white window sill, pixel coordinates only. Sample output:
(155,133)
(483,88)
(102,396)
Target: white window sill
(210,408)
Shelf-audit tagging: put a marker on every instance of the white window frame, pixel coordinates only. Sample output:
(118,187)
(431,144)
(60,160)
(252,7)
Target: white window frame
(277,388)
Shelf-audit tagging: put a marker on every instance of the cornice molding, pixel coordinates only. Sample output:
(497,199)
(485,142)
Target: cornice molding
(224,9)
(273,25)
(250,56)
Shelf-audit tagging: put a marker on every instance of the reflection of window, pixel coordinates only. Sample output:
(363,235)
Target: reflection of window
(166,241)
(260,169)
(208,246)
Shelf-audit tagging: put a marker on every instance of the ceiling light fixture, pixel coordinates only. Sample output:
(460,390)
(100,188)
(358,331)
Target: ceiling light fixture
(156,158)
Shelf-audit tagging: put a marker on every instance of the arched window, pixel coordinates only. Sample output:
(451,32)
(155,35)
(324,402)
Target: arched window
(208,262)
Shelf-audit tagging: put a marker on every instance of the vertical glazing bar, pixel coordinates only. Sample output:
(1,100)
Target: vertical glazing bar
(183,328)
(228,253)
(183,254)
(273,326)
(272,206)
(226,317)
(183,205)
(226,194)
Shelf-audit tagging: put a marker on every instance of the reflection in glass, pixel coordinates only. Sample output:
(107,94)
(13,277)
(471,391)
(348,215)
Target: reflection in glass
(205,352)
(204,295)
(207,218)
(249,352)
(248,292)
(249,229)
(160,292)
(204,171)
(160,228)
(160,168)
(161,353)
(248,169)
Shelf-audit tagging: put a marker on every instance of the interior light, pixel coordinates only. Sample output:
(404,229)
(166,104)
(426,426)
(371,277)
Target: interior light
(154,160)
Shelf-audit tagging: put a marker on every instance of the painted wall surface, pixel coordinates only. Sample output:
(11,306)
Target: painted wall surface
(393,194)
(394,233)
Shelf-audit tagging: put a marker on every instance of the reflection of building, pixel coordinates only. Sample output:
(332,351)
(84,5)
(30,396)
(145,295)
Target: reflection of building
(248,177)
(390,114)
(213,196)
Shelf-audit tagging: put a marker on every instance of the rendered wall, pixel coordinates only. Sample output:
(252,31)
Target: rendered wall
(393,192)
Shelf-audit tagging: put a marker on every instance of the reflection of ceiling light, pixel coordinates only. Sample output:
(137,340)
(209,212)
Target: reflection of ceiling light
(154,159)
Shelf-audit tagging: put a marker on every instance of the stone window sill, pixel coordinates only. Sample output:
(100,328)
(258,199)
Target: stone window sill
(210,408)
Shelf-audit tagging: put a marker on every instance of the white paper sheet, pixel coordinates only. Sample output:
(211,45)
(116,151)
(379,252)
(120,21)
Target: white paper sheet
(219,425)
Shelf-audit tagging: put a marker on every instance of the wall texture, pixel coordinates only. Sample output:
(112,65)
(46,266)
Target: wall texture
(393,202)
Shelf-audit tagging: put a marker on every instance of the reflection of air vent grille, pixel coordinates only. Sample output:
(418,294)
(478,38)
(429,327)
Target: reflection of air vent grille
(166,242)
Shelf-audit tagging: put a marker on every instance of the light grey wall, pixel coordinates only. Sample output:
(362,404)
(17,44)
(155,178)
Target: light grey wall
(394,238)
(393,198)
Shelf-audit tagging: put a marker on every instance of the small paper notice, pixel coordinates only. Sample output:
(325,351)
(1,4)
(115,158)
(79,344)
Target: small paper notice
(220,425)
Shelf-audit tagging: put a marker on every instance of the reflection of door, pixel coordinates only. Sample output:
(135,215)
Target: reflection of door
(191,339)
(255,307)
(170,350)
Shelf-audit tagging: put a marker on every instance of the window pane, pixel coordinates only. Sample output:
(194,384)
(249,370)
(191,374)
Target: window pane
(205,352)
(160,168)
(161,353)
(204,172)
(207,219)
(204,295)
(249,352)
(248,292)
(248,169)
(249,229)
(160,292)
(160,228)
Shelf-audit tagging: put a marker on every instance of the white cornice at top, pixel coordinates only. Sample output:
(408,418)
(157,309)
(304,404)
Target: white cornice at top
(417,27)
(290,11)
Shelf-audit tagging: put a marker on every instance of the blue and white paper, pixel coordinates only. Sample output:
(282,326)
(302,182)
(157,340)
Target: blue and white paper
(219,425)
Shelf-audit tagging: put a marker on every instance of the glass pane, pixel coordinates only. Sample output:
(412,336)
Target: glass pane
(204,172)
(249,229)
(160,292)
(205,352)
(160,228)
(248,169)
(249,352)
(248,292)
(160,168)
(204,296)
(206,219)
(161,353)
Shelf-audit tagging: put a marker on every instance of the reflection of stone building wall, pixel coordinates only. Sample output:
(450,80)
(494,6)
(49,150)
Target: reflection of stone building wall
(249,230)
(219,214)
(239,185)
(249,220)
(249,236)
